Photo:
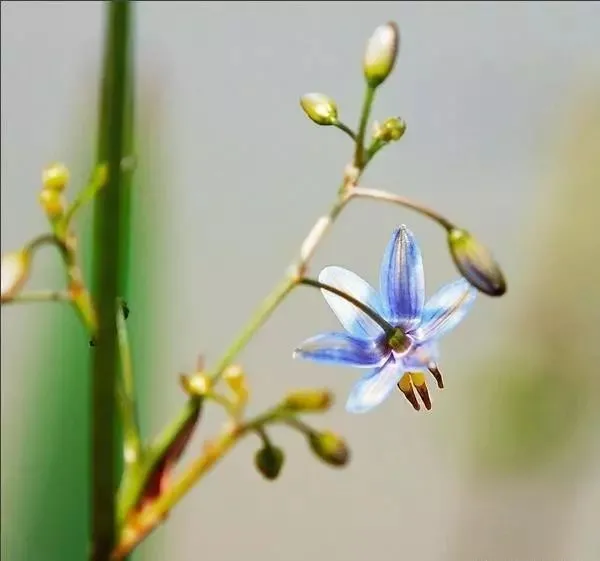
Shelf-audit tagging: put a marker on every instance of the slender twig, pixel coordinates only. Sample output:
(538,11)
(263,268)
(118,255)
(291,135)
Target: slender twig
(359,154)
(345,128)
(287,284)
(362,192)
(78,294)
(36,296)
(387,328)
(87,194)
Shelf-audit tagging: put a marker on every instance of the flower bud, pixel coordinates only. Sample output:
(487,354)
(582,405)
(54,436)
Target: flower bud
(320,108)
(330,448)
(269,461)
(390,130)
(476,263)
(302,401)
(15,272)
(196,385)
(52,202)
(235,379)
(55,177)
(380,54)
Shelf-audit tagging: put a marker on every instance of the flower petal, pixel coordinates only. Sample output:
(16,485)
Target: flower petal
(339,348)
(373,388)
(401,279)
(421,355)
(356,322)
(445,310)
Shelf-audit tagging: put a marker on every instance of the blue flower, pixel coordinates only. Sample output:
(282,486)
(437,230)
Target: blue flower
(398,357)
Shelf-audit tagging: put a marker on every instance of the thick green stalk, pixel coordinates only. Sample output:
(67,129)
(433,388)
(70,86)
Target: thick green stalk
(110,238)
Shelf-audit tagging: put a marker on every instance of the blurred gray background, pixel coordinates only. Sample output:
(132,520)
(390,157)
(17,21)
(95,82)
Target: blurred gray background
(502,102)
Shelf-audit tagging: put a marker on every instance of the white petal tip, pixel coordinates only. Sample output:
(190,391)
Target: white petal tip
(355,409)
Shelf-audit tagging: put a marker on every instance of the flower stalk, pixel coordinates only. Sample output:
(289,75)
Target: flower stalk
(110,227)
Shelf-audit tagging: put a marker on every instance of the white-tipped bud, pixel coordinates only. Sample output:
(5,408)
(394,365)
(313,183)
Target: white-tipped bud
(380,54)
(319,108)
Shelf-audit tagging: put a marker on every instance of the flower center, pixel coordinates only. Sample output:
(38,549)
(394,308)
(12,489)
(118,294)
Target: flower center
(399,342)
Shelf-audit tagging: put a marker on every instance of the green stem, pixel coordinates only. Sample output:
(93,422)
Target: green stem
(256,321)
(87,194)
(375,146)
(78,294)
(36,296)
(387,328)
(359,155)
(362,192)
(132,443)
(345,128)
(108,270)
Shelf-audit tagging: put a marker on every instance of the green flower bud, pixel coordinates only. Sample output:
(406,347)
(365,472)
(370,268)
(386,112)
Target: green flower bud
(320,108)
(330,448)
(269,461)
(390,130)
(236,380)
(476,263)
(52,202)
(195,385)
(308,401)
(55,177)
(15,272)
(380,54)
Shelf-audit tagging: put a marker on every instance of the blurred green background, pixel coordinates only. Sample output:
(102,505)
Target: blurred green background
(502,103)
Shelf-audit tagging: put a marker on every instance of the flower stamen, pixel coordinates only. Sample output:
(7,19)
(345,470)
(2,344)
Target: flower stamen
(435,372)
(420,384)
(406,387)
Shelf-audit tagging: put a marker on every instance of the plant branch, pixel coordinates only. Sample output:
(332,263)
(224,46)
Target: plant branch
(345,128)
(87,194)
(78,294)
(387,328)
(362,192)
(286,285)
(144,521)
(36,296)
(359,154)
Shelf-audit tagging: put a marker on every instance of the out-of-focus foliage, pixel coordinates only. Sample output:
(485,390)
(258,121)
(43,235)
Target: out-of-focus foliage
(536,399)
